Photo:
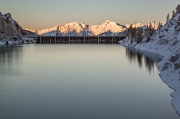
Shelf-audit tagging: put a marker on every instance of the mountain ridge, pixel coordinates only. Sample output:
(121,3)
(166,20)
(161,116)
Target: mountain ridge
(108,28)
(83,29)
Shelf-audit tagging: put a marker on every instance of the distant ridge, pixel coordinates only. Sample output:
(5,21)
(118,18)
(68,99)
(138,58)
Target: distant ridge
(82,29)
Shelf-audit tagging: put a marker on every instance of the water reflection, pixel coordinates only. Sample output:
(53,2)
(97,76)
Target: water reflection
(10,58)
(80,81)
(142,57)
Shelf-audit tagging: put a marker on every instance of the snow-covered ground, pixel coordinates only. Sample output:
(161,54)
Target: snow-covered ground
(165,42)
(24,40)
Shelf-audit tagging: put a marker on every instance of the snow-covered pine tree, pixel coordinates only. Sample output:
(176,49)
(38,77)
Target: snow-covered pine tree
(159,25)
(129,30)
(139,35)
(149,31)
(178,9)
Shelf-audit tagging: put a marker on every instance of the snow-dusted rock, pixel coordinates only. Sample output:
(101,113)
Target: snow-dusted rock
(7,15)
(10,31)
(1,14)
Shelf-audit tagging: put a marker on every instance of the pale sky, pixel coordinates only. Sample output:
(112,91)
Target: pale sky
(39,14)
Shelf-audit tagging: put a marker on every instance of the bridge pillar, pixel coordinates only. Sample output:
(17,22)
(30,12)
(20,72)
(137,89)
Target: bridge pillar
(112,39)
(40,39)
(98,39)
(69,40)
(84,39)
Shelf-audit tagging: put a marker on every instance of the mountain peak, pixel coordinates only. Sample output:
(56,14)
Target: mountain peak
(107,21)
(83,23)
(8,15)
(75,23)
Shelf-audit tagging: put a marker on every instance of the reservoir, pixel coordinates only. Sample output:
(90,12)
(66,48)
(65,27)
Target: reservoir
(81,81)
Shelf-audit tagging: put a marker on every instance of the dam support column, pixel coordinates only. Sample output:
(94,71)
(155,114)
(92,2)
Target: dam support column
(40,40)
(98,39)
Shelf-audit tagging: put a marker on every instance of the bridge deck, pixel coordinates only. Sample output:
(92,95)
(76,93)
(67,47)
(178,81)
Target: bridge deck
(79,39)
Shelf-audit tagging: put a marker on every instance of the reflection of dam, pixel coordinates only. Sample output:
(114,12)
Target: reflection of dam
(80,39)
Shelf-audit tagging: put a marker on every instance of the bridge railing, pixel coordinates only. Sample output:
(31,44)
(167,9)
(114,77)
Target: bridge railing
(79,39)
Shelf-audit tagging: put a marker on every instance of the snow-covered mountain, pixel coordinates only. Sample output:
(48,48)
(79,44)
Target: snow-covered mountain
(11,31)
(82,29)
(9,27)
(108,26)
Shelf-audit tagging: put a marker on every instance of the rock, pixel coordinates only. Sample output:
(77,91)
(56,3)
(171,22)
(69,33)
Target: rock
(175,58)
(166,66)
(8,15)
(1,14)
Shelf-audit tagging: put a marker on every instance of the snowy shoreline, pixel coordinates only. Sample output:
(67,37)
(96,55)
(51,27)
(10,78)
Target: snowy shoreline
(164,41)
(168,74)
(24,40)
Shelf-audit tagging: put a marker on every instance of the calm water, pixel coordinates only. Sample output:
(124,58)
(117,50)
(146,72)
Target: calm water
(81,82)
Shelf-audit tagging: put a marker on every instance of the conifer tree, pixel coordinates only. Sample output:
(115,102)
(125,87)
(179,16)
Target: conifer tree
(133,32)
(150,25)
(167,18)
(147,26)
(130,27)
(149,31)
(173,12)
(139,36)
(159,25)
(178,8)
(130,30)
